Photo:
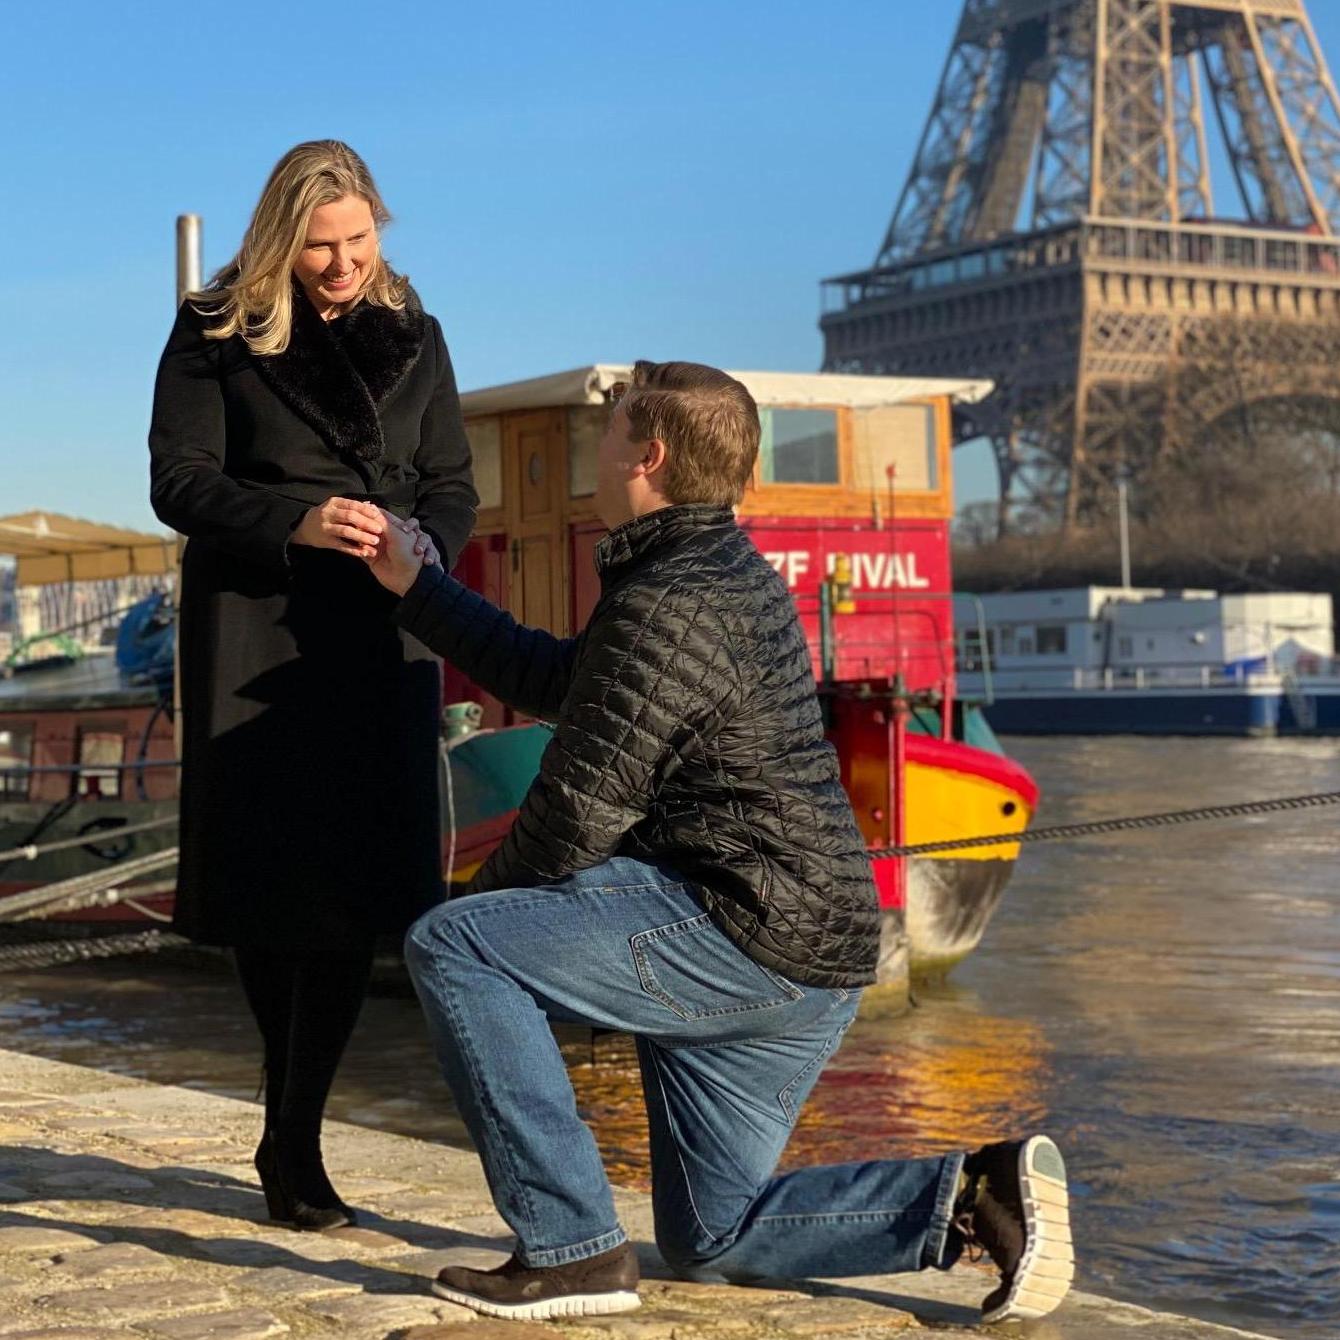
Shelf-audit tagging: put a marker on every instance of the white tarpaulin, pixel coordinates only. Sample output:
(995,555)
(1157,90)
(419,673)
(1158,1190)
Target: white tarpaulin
(588,386)
(54,548)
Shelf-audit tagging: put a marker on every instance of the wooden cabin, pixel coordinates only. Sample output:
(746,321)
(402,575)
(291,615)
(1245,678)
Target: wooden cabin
(849,466)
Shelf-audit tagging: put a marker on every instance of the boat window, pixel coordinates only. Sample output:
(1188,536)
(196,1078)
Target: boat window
(901,437)
(972,658)
(1051,639)
(486,449)
(1007,640)
(101,754)
(586,426)
(798,446)
(16,756)
(1125,647)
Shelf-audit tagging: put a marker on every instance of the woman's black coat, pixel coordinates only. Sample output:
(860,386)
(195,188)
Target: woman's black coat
(309,807)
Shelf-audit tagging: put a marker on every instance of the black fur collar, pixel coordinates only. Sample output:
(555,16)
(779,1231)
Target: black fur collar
(338,384)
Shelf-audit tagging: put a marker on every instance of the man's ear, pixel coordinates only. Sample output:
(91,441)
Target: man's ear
(653,456)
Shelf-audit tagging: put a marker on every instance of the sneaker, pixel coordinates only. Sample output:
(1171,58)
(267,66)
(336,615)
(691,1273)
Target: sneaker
(1015,1206)
(593,1287)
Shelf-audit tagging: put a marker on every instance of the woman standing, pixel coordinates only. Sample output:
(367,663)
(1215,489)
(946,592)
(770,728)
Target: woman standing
(302,391)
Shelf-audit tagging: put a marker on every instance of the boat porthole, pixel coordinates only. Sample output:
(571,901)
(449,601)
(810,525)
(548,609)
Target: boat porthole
(1008,808)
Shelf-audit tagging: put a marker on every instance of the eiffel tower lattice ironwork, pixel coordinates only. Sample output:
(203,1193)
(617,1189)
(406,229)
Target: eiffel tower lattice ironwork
(1058,235)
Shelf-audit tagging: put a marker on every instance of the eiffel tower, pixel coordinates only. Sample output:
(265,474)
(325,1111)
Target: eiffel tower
(1058,235)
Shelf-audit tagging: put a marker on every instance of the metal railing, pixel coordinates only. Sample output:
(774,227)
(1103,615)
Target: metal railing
(15,780)
(1205,246)
(1180,246)
(1108,678)
(958,265)
(886,652)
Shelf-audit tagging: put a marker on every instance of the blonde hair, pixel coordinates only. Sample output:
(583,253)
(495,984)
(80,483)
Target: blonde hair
(708,422)
(252,295)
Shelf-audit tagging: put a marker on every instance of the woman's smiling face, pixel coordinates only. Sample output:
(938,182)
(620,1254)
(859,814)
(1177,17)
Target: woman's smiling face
(338,253)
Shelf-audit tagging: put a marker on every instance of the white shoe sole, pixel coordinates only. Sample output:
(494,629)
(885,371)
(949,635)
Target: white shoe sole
(568,1305)
(1048,1264)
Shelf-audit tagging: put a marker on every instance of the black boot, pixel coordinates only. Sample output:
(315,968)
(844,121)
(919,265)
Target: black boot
(306,1007)
(287,1206)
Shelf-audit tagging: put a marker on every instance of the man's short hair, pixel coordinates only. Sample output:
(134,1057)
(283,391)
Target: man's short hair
(708,422)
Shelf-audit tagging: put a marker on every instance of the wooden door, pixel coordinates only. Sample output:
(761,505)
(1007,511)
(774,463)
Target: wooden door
(535,483)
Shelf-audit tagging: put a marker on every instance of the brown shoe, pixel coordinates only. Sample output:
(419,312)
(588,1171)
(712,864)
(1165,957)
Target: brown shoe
(1016,1207)
(593,1287)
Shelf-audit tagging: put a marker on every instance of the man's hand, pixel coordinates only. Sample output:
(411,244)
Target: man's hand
(404,550)
(344,525)
(427,548)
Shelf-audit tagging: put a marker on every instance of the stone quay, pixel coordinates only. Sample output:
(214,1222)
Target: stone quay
(130,1209)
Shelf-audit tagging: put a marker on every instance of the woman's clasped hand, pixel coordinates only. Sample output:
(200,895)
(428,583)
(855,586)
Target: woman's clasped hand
(361,530)
(345,525)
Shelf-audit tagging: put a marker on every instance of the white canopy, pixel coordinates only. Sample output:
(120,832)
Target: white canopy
(588,386)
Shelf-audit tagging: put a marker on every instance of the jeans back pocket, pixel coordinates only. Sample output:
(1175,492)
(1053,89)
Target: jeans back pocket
(694,970)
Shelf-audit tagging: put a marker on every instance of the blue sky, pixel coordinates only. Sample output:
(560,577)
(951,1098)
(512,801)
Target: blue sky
(570,184)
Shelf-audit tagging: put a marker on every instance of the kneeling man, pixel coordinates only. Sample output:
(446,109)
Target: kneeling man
(686,868)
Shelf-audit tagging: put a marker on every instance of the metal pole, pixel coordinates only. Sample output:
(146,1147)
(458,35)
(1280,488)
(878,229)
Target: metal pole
(1125,536)
(188,255)
(188,281)
(898,711)
(826,630)
(988,694)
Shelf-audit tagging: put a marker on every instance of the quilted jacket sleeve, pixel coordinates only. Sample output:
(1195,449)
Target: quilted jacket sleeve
(654,679)
(525,668)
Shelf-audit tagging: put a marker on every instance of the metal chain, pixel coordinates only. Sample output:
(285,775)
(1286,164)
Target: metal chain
(52,954)
(1059,832)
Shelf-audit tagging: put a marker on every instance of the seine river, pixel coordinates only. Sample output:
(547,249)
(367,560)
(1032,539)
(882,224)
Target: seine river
(1166,1003)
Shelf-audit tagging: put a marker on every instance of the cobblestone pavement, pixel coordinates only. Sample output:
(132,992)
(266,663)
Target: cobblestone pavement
(131,1210)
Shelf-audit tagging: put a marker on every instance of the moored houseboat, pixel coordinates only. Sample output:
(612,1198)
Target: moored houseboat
(85,753)
(1145,661)
(851,502)
(87,745)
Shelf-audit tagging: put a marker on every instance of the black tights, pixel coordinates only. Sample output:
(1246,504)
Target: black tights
(306,1005)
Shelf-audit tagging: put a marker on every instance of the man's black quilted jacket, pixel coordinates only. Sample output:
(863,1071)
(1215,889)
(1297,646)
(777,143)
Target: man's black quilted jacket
(687,733)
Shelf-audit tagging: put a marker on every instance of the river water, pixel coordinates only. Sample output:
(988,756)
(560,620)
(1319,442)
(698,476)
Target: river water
(1166,1003)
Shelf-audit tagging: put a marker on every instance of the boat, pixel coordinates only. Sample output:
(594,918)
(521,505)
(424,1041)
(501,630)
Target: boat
(851,504)
(1101,660)
(83,754)
(87,746)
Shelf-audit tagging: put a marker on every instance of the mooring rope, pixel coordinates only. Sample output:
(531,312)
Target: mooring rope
(100,888)
(33,851)
(1098,827)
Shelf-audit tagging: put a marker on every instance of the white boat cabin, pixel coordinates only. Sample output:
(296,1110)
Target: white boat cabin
(1085,636)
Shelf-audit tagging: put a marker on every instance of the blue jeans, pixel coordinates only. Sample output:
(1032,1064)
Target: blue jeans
(729,1051)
